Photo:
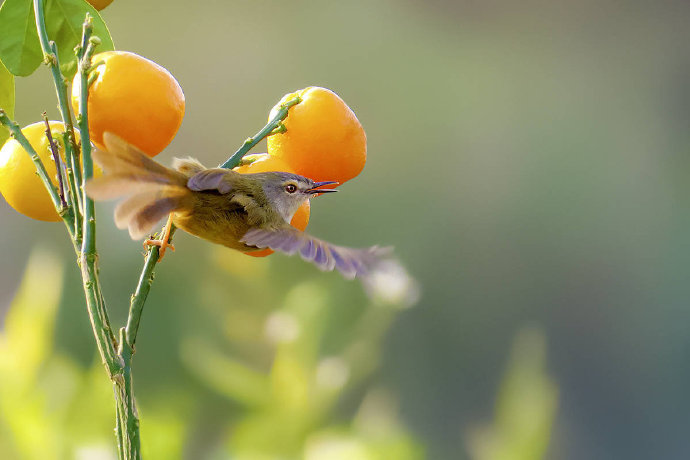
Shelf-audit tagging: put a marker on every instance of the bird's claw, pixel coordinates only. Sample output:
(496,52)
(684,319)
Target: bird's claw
(163,244)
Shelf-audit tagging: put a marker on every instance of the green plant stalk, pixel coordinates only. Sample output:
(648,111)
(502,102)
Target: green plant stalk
(50,56)
(136,305)
(84,53)
(271,126)
(127,423)
(88,259)
(131,443)
(119,424)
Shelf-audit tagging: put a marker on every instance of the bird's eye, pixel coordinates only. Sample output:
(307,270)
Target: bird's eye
(291,188)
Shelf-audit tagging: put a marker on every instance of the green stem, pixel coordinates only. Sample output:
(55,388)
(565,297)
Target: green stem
(84,64)
(266,131)
(136,305)
(119,424)
(131,443)
(117,361)
(50,55)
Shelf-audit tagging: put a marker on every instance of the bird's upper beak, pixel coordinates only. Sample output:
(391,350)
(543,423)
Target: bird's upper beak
(316,189)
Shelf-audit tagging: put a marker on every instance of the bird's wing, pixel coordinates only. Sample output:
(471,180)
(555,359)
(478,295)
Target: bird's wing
(221,181)
(211,179)
(326,256)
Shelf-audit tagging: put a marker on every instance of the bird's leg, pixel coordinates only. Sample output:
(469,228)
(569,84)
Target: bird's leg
(163,242)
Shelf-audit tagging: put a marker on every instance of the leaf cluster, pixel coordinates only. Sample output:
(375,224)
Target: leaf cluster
(20,48)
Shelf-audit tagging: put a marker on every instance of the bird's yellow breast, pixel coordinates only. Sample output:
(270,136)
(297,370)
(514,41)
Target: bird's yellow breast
(213,218)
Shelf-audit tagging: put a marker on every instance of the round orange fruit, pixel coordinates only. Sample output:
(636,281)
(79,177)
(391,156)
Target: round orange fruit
(19,183)
(134,98)
(324,140)
(265,163)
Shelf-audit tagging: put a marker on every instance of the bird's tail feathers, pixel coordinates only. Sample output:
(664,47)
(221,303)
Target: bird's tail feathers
(141,212)
(152,191)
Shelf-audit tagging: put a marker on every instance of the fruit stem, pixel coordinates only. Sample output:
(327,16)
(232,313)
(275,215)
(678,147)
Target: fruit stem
(274,124)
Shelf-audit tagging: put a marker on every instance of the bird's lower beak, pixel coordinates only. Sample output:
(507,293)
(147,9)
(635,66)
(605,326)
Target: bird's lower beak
(316,189)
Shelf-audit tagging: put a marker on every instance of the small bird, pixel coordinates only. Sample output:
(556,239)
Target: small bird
(245,212)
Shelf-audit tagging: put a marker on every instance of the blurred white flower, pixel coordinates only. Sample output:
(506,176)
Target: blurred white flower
(390,284)
(332,373)
(335,447)
(281,327)
(95,452)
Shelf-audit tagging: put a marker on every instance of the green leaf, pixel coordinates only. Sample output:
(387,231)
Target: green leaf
(64,20)
(20,49)
(6,99)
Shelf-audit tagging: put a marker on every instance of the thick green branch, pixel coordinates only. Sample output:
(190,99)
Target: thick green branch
(128,420)
(105,338)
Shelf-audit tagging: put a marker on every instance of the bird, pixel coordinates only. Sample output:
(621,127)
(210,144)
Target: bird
(245,212)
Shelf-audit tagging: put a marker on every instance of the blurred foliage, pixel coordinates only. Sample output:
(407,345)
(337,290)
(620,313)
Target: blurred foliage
(525,409)
(50,406)
(269,365)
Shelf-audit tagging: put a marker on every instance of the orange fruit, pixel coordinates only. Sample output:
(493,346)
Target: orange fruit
(265,163)
(134,98)
(19,183)
(324,140)
(100,4)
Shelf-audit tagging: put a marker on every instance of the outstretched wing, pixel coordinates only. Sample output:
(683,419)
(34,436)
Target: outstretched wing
(326,256)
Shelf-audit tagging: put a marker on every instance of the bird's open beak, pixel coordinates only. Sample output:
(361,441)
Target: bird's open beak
(316,189)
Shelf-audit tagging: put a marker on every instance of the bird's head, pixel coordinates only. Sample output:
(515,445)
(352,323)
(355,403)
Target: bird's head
(286,191)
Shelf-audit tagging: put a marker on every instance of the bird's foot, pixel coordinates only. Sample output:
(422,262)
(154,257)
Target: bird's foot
(163,244)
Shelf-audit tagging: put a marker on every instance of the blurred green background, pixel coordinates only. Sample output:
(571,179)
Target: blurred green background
(529,162)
